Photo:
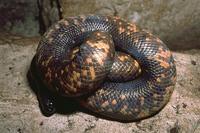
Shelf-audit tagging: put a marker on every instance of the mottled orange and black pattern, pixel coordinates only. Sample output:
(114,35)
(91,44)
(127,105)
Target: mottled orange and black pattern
(126,73)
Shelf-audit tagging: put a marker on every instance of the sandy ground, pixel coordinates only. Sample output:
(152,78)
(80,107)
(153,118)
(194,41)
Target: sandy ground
(19,111)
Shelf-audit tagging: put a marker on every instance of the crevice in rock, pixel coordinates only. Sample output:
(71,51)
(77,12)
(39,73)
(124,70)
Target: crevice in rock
(59,9)
(42,27)
(49,12)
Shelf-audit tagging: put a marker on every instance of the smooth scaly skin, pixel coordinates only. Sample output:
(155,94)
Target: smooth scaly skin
(58,55)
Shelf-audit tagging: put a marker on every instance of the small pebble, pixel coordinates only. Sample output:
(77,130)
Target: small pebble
(41,123)
(184,105)
(193,62)
(19,130)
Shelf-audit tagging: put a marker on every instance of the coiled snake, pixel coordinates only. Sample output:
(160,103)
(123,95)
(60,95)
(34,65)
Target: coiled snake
(112,67)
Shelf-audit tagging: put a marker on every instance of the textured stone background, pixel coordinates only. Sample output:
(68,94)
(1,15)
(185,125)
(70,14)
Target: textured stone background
(19,17)
(176,22)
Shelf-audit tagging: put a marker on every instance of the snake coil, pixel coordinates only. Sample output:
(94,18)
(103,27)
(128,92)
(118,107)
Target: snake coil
(126,73)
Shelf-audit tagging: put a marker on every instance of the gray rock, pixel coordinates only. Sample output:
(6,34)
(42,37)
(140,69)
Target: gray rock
(176,22)
(19,111)
(19,17)
(49,13)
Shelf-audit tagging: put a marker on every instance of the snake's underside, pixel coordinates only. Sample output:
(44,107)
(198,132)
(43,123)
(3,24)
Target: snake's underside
(109,65)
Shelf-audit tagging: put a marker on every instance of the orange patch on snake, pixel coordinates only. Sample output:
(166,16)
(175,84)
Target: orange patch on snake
(158,80)
(48,60)
(98,34)
(120,23)
(131,28)
(82,17)
(88,60)
(100,44)
(48,34)
(57,26)
(135,110)
(173,79)
(123,57)
(78,83)
(116,17)
(147,39)
(164,64)
(123,97)
(82,29)
(140,70)
(62,71)
(106,103)
(135,40)
(162,75)
(76,22)
(123,110)
(136,64)
(114,102)
(141,100)
(78,74)
(48,74)
(163,54)
(101,91)
(84,72)
(100,61)
(74,76)
(169,90)
(61,82)
(73,88)
(110,110)
(92,72)
(155,95)
(104,46)
(158,40)
(143,114)
(56,75)
(50,40)
(66,23)
(121,30)
(43,63)
(61,35)
(66,69)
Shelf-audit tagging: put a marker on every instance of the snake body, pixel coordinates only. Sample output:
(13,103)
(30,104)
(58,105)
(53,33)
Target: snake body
(112,67)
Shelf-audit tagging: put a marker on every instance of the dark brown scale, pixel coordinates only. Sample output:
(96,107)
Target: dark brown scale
(130,72)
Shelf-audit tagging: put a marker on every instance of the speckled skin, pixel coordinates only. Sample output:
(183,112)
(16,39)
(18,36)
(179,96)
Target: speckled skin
(83,55)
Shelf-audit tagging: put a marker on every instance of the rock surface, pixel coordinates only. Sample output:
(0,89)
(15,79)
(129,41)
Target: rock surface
(19,17)
(19,111)
(176,22)
(49,13)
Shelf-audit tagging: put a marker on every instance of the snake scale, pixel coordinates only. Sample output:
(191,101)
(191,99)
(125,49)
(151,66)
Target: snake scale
(109,65)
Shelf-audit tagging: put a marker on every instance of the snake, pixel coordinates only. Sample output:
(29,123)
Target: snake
(111,66)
